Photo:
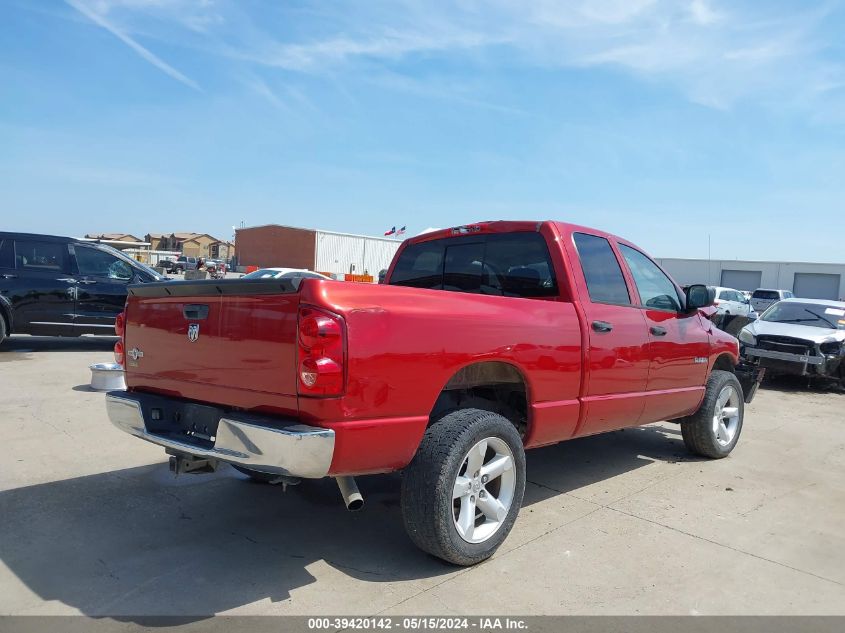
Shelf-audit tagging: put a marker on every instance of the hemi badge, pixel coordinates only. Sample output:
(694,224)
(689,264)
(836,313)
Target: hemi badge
(700,360)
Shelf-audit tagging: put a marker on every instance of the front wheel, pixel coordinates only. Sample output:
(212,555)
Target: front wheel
(714,429)
(463,490)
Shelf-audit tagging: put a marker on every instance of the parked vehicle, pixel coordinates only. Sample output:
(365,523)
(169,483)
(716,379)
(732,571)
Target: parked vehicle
(184,263)
(216,268)
(284,273)
(486,340)
(762,298)
(62,286)
(804,337)
(732,302)
(168,264)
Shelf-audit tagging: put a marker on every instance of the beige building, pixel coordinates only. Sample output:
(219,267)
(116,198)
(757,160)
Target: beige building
(192,244)
(113,237)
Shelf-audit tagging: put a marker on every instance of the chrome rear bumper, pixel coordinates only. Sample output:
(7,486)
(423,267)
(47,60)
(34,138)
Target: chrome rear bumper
(259,443)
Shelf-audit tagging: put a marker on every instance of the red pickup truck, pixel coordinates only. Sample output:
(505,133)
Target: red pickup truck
(484,340)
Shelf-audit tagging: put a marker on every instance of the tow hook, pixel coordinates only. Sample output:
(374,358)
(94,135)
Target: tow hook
(181,463)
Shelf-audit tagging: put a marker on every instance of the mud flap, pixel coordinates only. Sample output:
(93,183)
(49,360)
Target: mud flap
(749,376)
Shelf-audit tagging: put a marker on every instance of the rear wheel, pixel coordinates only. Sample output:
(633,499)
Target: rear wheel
(3,332)
(463,490)
(714,429)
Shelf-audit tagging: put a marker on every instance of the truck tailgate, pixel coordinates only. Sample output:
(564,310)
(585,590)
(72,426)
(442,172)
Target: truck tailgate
(229,342)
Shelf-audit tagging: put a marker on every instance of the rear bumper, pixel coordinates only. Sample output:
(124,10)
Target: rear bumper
(265,444)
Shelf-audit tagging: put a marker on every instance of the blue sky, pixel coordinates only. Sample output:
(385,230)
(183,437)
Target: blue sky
(659,121)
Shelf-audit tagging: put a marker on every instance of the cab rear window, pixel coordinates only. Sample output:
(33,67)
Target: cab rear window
(765,294)
(507,265)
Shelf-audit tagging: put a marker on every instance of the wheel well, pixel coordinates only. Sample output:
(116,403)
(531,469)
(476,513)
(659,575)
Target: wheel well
(7,318)
(725,363)
(491,385)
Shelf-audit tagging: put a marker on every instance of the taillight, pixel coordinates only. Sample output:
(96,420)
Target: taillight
(120,324)
(120,330)
(321,346)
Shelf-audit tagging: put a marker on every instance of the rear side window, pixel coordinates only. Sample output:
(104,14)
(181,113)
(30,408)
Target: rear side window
(44,256)
(605,282)
(766,294)
(7,254)
(507,265)
(656,289)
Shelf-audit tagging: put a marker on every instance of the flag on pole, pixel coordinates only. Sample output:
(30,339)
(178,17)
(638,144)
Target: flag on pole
(401,231)
(391,231)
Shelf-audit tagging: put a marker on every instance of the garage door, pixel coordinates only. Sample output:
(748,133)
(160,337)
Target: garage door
(816,286)
(741,279)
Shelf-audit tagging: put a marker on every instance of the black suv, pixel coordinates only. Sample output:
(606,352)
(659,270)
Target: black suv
(61,286)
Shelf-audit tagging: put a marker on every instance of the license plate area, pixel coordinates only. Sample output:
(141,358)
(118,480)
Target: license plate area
(186,421)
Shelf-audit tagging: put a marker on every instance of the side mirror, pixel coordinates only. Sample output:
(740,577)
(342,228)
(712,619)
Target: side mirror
(700,296)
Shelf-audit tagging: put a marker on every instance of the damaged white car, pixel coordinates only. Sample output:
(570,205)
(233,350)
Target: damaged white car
(804,337)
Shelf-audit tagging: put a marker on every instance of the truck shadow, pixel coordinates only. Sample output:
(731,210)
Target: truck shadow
(139,542)
(802,384)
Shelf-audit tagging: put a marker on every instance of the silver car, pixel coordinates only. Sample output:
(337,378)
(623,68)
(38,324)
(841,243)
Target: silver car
(730,301)
(804,337)
(762,298)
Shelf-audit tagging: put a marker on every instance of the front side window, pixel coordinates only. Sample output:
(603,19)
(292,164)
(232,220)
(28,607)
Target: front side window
(656,289)
(605,281)
(44,256)
(97,263)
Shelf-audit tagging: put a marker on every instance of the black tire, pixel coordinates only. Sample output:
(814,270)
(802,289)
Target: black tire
(700,429)
(3,332)
(428,509)
(256,475)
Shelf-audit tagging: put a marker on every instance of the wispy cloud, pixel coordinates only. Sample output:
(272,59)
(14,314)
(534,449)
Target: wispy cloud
(143,52)
(714,52)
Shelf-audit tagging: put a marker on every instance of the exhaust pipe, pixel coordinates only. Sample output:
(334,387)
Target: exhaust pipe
(350,493)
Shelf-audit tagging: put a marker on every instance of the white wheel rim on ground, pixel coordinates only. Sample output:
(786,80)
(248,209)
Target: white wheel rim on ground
(726,415)
(483,490)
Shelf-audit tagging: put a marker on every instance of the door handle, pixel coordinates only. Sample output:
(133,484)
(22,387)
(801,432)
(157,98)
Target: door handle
(69,280)
(87,282)
(657,330)
(602,326)
(5,276)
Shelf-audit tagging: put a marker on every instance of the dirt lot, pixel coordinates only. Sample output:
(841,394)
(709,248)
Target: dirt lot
(625,523)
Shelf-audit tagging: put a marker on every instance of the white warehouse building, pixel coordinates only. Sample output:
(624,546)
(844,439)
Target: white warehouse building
(324,251)
(811,281)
